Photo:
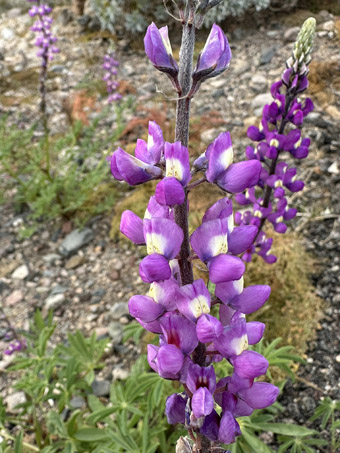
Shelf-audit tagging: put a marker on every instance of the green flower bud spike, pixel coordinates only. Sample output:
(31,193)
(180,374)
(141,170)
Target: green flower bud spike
(303,47)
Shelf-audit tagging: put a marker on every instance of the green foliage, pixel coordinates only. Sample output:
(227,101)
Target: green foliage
(133,420)
(326,411)
(50,376)
(63,176)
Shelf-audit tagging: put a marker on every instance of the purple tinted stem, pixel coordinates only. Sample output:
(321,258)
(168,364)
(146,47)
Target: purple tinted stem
(182,135)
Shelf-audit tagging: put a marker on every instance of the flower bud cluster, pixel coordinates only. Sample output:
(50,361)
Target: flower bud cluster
(278,178)
(110,66)
(212,61)
(196,327)
(42,26)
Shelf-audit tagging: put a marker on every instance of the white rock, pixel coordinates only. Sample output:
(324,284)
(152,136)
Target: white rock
(20,272)
(53,302)
(119,374)
(14,399)
(328,26)
(334,169)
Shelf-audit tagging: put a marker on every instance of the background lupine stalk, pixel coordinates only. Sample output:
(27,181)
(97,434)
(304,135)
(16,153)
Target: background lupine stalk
(110,66)
(196,327)
(272,141)
(15,342)
(45,41)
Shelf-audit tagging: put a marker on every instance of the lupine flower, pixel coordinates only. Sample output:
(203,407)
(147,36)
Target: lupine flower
(110,66)
(191,337)
(271,142)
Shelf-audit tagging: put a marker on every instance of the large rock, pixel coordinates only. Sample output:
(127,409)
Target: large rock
(101,388)
(13,400)
(75,240)
(53,302)
(20,272)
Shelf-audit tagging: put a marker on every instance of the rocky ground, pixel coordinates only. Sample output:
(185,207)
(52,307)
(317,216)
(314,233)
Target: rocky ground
(86,278)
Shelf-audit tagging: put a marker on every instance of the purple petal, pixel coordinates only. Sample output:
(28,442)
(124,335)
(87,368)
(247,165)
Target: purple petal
(240,176)
(155,142)
(153,326)
(202,402)
(193,300)
(169,361)
(208,328)
(220,154)
(198,376)
(241,238)
(163,236)
(211,426)
(242,409)
(233,340)
(221,209)
(255,331)
(175,408)
(157,47)
(228,290)
(180,332)
(154,268)
(154,209)
(132,227)
(251,299)
(177,162)
(224,268)
(169,192)
(164,293)
(210,239)
(260,395)
(216,54)
(250,364)
(132,170)
(145,308)
(228,428)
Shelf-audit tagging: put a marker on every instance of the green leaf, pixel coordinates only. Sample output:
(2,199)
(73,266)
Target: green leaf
(18,443)
(255,443)
(91,435)
(285,429)
(100,415)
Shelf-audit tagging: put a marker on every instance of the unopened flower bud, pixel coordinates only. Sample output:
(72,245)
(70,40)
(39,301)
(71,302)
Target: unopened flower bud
(215,57)
(158,49)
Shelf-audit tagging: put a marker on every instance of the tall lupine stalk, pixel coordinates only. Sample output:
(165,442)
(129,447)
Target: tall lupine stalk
(269,201)
(45,41)
(196,328)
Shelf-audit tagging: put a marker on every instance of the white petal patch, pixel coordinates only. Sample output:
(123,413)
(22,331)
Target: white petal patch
(230,223)
(218,244)
(239,344)
(155,243)
(156,292)
(199,305)
(238,285)
(226,158)
(151,141)
(174,168)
